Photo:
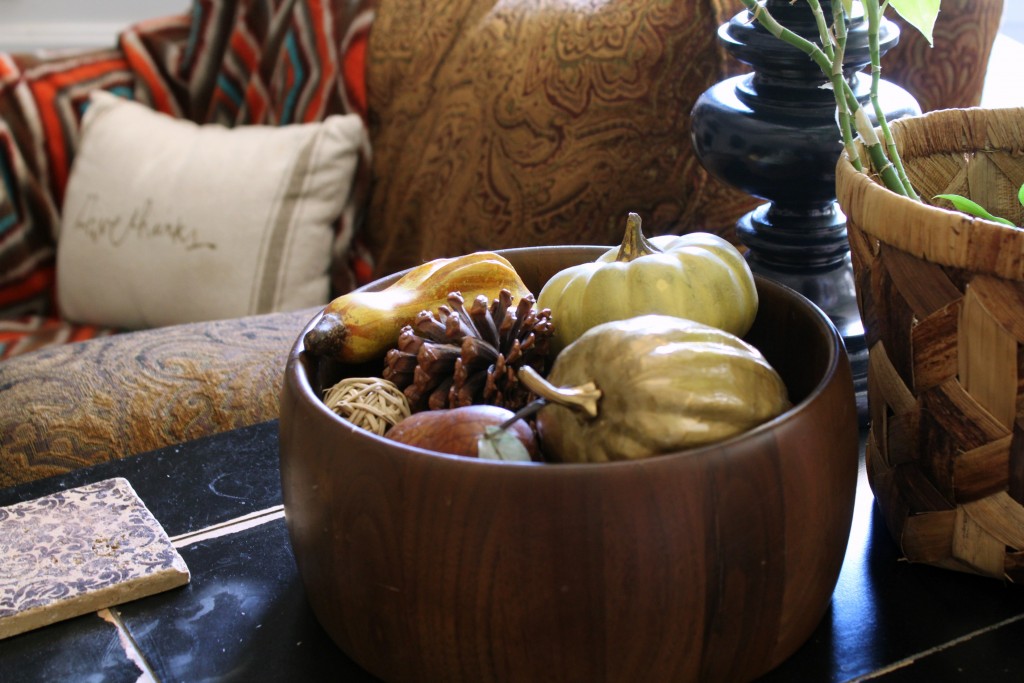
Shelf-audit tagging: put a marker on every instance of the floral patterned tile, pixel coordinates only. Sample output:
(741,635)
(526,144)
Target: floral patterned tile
(78,551)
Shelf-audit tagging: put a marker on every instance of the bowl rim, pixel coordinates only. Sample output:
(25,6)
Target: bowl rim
(296,373)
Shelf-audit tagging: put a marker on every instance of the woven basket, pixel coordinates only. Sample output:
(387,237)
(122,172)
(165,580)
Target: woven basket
(942,300)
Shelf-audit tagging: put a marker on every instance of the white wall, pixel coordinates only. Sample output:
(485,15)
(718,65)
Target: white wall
(1013,19)
(35,24)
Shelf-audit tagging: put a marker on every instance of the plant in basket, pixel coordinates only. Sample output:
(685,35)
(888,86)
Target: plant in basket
(828,53)
(869,149)
(941,294)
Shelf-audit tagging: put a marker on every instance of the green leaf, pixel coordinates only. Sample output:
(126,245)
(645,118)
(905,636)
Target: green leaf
(965,205)
(920,14)
(500,444)
(1020,195)
(848,7)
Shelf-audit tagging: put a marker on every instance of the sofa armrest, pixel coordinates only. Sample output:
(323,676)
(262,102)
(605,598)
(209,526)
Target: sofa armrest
(1002,80)
(74,405)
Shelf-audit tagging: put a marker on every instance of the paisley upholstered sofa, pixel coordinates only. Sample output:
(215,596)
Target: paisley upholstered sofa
(479,125)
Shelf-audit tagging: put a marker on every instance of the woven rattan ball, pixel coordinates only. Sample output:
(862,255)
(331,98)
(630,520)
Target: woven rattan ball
(372,403)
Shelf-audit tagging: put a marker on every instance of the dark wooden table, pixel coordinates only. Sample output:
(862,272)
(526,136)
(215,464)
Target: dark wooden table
(244,616)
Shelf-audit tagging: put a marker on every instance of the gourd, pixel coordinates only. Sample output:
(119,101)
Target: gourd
(362,326)
(698,276)
(652,384)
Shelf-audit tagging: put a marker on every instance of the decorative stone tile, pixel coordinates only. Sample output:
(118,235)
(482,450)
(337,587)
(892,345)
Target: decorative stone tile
(78,551)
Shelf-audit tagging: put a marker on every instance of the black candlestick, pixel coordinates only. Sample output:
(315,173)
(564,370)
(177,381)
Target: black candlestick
(773,134)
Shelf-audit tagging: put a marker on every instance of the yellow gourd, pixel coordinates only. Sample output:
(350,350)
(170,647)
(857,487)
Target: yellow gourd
(362,325)
(650,385)
(698,276)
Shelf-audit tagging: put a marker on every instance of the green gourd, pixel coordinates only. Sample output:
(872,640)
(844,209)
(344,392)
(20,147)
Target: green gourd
(650,385)
(698,276)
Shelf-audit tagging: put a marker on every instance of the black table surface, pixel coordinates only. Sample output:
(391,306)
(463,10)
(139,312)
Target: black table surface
(244,615)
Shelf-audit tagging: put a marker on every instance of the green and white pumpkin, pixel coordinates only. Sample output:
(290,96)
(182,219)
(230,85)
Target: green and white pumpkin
(698,276)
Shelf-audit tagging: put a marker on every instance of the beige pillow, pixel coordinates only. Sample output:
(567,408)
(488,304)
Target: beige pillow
(165,221)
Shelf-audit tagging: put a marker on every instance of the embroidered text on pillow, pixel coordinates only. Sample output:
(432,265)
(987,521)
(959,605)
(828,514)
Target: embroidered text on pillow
(116,228)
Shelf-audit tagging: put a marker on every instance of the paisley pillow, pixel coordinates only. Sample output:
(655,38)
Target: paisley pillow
(539,122)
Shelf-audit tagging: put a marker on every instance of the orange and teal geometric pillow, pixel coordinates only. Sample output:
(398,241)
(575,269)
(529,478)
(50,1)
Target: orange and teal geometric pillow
(41,102)
(32,332)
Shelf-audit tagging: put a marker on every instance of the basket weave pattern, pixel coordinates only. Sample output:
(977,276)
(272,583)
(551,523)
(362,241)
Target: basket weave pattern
(942,300)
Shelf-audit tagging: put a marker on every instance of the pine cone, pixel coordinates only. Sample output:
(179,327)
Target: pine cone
(463,357)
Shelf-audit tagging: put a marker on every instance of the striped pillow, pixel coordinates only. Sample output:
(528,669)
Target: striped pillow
(166,221)
(40,107)
(32,332)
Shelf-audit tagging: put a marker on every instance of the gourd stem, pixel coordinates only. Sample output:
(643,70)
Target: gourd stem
(583,397)
(634,244)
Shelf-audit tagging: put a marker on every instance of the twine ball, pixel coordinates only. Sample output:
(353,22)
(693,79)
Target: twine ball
(372,403)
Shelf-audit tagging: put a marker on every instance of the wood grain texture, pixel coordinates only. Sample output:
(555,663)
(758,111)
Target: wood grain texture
(711,564)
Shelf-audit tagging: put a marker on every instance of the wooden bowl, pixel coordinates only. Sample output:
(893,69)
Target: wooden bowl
(711,564)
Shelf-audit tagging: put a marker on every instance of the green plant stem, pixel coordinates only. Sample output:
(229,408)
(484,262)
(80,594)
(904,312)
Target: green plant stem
(873,11)
(843,117)
(771,24)
(886,169)
(823,33)
(879,161)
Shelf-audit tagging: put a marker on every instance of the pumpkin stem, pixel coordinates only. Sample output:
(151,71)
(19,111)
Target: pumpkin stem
(583,397)
(634,244)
